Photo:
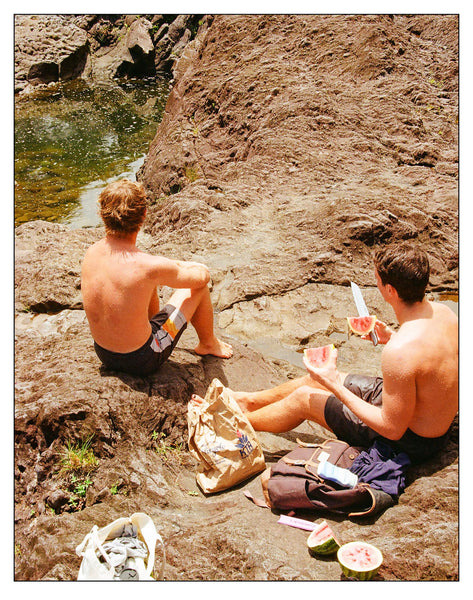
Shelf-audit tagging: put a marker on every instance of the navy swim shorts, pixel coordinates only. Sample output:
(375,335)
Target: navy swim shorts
(167,327)
(349,428)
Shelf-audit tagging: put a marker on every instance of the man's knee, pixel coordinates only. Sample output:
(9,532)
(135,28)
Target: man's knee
(311,403)
(187,300)
(300,399)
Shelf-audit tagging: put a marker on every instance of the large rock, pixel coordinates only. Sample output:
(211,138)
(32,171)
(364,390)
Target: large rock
(48,48)
(63,396)
(308,142)
(133,54)
(55,48)
(35,244)
(291,145)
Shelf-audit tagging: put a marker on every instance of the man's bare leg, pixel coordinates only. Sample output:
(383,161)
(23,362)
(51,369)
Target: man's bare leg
(304,403)
(197,307)
(251,401)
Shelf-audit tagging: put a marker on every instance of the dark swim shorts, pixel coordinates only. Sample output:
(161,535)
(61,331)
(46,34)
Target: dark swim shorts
(348,427)
(167,327)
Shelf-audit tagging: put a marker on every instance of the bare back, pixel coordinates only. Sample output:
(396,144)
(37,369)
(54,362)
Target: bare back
(430,345)
(118,286)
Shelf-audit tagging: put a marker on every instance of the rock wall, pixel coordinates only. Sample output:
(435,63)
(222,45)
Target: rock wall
(305,141)
(290,147)
(52,48)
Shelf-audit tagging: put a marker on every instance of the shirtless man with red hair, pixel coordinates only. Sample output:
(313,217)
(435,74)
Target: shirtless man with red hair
(119,289)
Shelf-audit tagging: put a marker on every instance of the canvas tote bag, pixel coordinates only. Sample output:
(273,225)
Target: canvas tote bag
(223,441)
(100,564)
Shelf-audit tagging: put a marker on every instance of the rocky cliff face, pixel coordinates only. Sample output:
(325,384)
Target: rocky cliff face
(290,147)
(52,48)
(305,141)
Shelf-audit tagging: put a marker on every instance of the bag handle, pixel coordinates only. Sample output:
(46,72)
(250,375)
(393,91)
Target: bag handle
(373,500)
(308,444)
(163,563)
(92,540)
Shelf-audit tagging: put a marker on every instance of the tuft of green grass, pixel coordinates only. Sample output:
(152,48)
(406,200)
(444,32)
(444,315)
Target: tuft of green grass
(164,449)
(80,485)
(192,174)
(79,457)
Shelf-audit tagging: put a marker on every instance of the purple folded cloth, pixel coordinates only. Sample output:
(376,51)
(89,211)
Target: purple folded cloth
(382,468)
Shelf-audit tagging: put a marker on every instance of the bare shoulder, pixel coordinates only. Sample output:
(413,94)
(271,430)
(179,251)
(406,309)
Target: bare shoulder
(155,264)
(443,312)
(400,351)
(430,335)
(94,247)
(92,253)
(406,345)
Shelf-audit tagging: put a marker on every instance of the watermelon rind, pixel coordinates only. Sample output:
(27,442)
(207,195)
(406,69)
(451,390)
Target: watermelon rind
(361,330)
(363,574)
(326,547)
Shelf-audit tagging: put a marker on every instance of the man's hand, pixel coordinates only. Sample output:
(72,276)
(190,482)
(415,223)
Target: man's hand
(328,375)
(382,331)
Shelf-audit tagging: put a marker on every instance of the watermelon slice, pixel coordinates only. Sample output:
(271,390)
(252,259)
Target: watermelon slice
(318,357)
(361,325)
(359,560)
(322,540)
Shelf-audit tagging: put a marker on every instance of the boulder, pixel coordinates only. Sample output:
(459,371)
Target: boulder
(56,48)
(132,55)
(35,243)
(283,151)
(48,48)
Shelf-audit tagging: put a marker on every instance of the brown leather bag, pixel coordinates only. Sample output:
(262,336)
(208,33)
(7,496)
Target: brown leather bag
(293,483)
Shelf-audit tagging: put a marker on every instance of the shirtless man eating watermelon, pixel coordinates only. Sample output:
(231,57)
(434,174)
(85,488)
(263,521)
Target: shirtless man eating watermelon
(412,405)
(119,289)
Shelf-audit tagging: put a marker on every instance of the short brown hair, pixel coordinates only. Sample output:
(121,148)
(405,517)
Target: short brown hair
(405,266)
(123,207)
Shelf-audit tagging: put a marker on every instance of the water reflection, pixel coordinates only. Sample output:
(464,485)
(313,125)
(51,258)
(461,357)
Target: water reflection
(86,214)
(70,140)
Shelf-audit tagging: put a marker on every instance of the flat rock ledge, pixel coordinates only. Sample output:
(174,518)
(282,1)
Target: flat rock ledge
(63,395)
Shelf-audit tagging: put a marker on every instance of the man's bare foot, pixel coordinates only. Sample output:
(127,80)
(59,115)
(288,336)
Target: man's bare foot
(197,399)
(216,348)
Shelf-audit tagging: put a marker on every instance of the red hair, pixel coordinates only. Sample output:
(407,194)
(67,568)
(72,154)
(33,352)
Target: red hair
(123,207)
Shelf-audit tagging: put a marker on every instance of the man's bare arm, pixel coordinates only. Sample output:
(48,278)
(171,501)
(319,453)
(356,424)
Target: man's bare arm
(178,274)
(399,395)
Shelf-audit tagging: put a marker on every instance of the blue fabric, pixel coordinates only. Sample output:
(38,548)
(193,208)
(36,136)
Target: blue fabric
(382,468)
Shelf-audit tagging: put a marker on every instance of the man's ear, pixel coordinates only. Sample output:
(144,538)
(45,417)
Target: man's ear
(391,291)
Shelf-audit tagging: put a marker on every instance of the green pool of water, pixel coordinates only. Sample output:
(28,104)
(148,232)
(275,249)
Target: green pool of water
(73,138)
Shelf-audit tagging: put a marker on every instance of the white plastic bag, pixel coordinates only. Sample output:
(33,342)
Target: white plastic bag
(100,563)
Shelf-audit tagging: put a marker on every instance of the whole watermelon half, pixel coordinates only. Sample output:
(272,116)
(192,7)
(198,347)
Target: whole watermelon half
(359,560)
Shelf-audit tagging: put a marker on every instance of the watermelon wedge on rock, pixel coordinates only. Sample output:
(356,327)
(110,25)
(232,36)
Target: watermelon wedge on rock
(319,357)
(359,560)
(322,540)
(361,325)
